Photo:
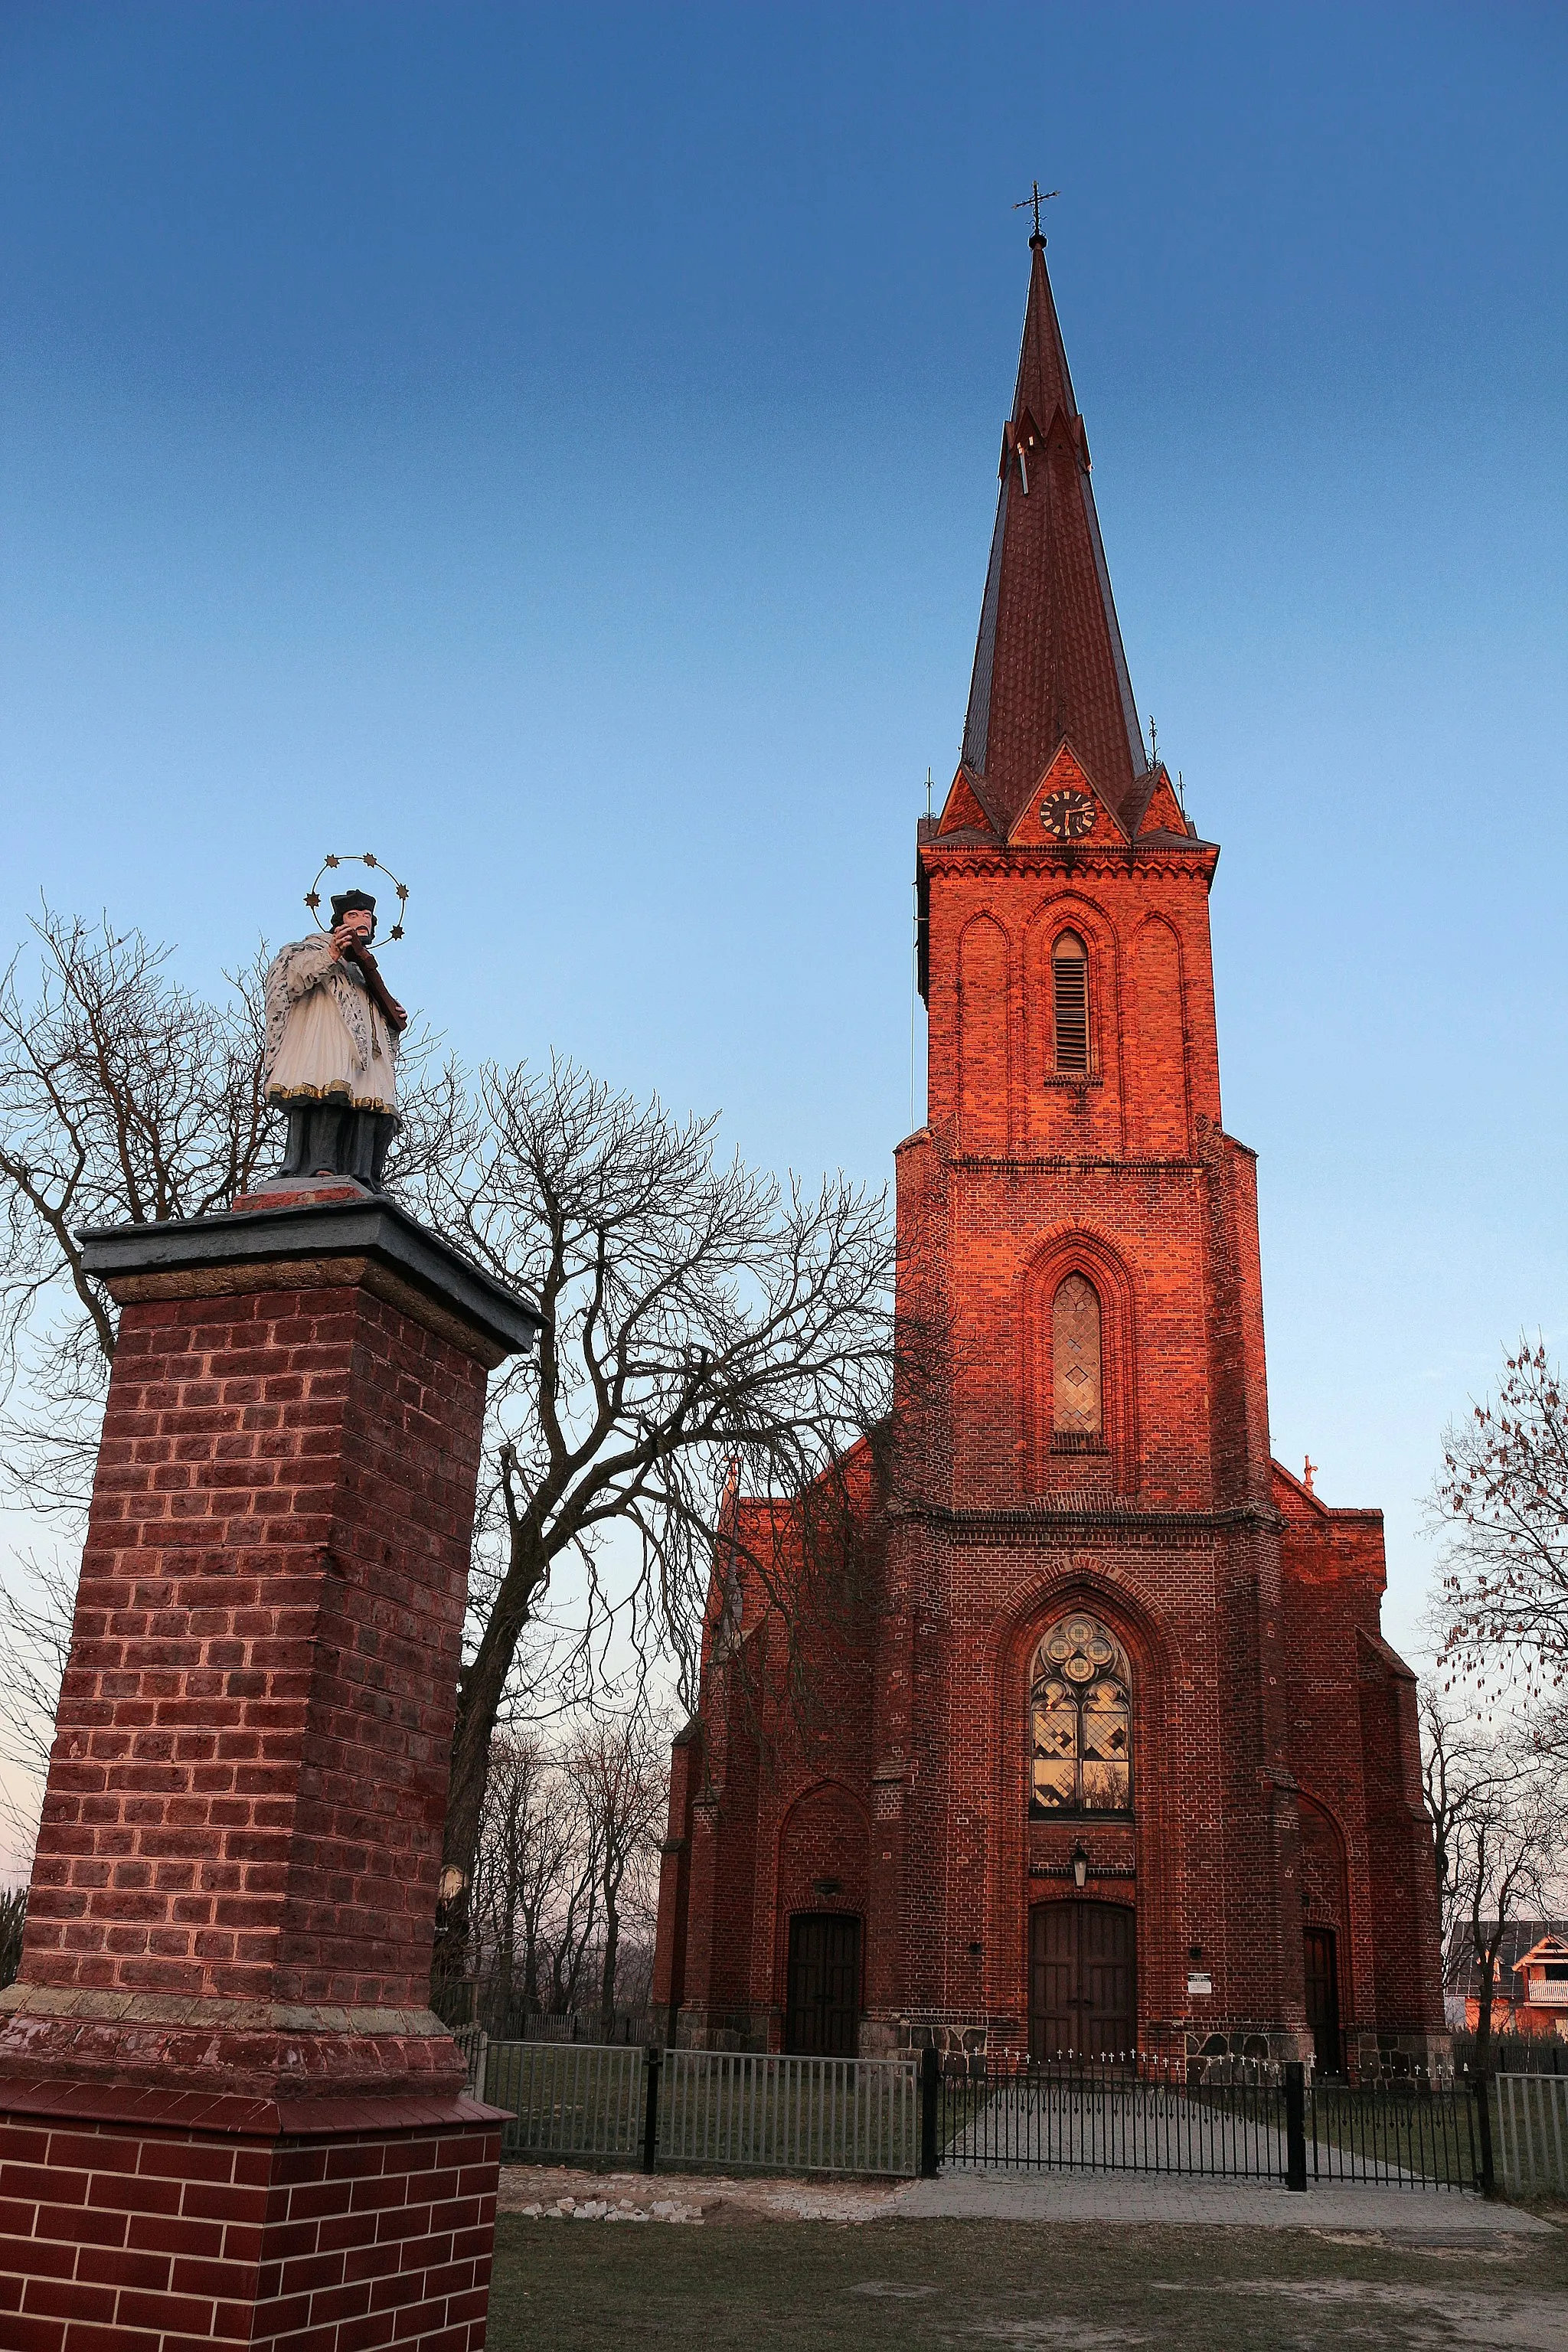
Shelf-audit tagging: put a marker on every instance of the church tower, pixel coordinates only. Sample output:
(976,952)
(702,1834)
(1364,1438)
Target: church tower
(1129,1766)
(1083,1501)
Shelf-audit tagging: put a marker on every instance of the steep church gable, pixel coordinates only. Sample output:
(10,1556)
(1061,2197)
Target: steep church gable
(963,811)
(1162,811)
(1063,799)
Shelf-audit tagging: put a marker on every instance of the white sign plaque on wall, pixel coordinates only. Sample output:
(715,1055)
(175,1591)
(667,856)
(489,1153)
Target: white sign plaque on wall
(1200,1984)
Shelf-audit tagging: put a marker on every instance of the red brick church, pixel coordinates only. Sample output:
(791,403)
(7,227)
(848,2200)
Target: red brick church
(1108,1752)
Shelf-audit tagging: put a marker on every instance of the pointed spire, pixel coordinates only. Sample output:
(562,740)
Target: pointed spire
(1049,666)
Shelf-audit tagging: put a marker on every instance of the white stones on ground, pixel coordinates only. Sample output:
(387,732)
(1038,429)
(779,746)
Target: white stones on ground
(600,2209)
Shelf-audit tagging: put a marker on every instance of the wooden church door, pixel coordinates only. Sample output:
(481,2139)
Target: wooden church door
(1324,1997)
(822,2016)
(1082,1981)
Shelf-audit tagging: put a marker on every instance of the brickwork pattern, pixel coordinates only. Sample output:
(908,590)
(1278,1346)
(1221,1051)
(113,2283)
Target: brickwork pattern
(113,2238)
(1234,1604)
(246,1792)
(1249,1615)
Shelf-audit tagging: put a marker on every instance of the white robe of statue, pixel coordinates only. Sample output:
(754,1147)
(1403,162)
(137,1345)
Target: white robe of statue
(325,1040)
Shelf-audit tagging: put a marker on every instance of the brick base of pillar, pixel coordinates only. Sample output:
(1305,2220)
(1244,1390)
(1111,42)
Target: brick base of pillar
(159,2218)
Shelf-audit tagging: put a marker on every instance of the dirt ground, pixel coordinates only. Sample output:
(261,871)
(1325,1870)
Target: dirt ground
(896,2285)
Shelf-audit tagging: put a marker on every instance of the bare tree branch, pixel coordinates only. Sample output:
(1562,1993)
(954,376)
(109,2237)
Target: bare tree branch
(695,1314)
(1500,1506)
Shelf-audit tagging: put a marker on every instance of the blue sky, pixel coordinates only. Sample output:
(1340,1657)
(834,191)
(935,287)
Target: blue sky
(556,448)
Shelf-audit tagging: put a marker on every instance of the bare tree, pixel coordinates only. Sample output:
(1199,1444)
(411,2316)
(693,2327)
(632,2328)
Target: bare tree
(572,1932)
(1460,1770)
(36,1610)
(620,1769)
(1501,1505)
(695,1314)
(516,1870)
(566,1866)
(1507,1846)
(13,1920)
(123,1096)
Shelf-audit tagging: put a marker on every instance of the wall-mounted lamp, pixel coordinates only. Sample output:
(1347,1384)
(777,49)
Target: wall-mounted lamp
(1079,1866)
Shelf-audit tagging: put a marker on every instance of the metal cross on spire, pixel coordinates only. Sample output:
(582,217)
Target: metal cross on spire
(1037,199)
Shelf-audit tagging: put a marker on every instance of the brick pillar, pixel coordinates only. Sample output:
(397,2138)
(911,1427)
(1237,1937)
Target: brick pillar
(227,2112)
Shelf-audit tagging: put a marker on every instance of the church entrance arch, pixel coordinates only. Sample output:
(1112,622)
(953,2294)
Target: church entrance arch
(1083,1993)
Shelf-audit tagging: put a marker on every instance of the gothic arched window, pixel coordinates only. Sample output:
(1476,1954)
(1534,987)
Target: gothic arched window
(1078,1404)
(1080,1721)
(1070,998)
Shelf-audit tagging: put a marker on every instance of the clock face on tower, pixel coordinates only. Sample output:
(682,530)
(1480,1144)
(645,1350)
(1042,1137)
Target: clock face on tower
(1068,816)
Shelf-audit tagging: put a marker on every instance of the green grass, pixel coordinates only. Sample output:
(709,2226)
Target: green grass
(916,2286)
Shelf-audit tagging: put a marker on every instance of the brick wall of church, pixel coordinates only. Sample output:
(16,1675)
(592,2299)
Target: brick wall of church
(1351,1712)
(1160,1516)
(776,1789)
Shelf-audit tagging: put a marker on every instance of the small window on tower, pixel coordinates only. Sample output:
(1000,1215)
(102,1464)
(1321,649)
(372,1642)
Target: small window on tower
(1069,989)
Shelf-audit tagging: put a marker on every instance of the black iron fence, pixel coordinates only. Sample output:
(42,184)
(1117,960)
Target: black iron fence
(1253,2122)
(1417,2132)
(1250,2122)
(1007,2115)
(1514,2053)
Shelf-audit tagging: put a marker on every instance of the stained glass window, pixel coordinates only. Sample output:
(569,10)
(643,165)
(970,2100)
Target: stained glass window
(1077,1408)
(1080,1721)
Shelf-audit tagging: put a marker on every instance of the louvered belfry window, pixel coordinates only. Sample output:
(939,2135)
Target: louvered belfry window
(1069,990)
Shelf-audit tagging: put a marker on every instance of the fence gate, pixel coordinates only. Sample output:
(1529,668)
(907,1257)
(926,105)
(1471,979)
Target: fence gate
(1246,2122)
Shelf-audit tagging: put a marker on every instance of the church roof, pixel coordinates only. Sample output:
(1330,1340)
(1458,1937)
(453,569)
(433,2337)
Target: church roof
(1048,664)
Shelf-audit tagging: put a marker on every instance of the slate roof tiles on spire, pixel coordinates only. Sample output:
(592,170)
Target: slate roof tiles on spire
(1048,665)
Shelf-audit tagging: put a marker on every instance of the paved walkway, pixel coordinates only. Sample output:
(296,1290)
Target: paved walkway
(1255,2205)
(1123,2125)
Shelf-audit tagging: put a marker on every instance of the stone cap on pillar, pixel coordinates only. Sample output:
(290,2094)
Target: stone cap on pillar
(370,1241)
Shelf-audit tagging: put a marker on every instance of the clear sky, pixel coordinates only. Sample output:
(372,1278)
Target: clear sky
(556,448)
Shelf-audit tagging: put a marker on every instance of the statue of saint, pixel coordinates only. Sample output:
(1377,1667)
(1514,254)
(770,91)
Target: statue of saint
(330,1053)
